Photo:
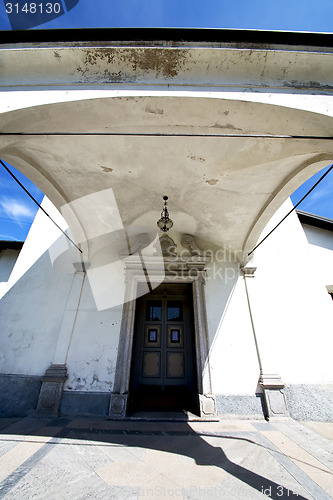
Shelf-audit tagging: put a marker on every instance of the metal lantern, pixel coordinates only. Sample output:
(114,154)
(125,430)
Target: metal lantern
(165,223)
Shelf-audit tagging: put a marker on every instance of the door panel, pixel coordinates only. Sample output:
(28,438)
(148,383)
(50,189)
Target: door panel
(151,365)
(175,365)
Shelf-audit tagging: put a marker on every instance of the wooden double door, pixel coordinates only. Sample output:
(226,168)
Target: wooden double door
(163,360)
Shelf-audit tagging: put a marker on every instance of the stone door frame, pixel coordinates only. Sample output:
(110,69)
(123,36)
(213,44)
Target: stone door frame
(182,270)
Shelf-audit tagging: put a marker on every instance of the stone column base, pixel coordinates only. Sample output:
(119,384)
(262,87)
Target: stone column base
(207,404)
(51,391)
(118,406)
(275,400)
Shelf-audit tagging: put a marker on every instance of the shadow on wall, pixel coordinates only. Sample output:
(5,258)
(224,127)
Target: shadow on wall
(30,323)
(318,237)
(220,285)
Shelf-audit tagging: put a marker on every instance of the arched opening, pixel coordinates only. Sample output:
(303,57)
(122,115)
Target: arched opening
(318,202)
(17,209)
(226,165)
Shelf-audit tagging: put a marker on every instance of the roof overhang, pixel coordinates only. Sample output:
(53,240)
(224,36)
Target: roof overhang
(315,220)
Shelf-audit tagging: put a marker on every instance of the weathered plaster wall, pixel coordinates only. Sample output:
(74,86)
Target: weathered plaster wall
(33,305)
(291,307)
(38,305)
(234,155)
(292,314)
(234,364)
(31,314)
(92,355)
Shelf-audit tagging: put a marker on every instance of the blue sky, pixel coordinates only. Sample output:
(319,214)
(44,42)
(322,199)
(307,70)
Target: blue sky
(16,209)
(294,15)
(320,201)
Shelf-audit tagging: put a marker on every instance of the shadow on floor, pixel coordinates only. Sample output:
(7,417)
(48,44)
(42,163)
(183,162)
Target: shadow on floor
(164,439)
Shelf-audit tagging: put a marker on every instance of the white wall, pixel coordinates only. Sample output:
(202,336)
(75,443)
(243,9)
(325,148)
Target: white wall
(32,307)
(234,363)
(31,313)
(92,356)
(39,305)
(291,307)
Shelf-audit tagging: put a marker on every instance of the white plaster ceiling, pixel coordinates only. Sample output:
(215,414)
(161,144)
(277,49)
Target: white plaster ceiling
(223,182)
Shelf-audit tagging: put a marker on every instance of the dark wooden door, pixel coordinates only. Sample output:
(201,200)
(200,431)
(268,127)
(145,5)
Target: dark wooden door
(163,372)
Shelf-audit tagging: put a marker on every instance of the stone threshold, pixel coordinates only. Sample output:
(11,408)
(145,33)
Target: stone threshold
(146,416)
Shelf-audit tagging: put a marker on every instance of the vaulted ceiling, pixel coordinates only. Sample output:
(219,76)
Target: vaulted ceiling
(226,164)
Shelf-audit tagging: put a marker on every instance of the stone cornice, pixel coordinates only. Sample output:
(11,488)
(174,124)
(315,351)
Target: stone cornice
(201,65)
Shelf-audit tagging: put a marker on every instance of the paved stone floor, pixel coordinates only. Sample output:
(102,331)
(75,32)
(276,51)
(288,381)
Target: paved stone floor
(100,459)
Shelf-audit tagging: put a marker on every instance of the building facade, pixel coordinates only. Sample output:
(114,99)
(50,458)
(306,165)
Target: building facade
(130,319)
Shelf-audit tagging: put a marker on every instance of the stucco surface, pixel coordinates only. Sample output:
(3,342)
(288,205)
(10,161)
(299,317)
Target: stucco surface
(220,186)
(291,307)
(31,314)
(93,349)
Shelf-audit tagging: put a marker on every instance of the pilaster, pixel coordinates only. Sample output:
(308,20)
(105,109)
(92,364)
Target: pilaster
(275,400)
(56,375)
(51,391)
(118,406)
(206,398)
(271,384)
